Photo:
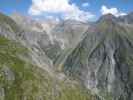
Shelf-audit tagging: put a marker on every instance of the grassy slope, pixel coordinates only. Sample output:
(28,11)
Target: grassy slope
(31,82)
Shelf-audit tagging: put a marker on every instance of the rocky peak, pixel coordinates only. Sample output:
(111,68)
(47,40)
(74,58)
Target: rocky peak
(127,19)
(26,22)
(107,17)
(101,60)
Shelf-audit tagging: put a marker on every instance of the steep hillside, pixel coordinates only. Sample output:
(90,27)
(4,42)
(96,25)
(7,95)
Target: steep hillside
(128,19)
(69,61)
(5,20)
(103,61)
(20,80)
(23,79)
(49,44)
(69,33)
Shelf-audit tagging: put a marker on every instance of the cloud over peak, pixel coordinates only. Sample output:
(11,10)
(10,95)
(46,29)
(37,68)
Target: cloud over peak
(62,7)
(113,11)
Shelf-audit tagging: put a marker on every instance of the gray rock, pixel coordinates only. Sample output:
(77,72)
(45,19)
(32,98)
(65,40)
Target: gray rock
(8,73)
(2,93)
(103,61)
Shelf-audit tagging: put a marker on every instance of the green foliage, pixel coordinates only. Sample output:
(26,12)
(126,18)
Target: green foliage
(32,83)
(75,93)
(29,82)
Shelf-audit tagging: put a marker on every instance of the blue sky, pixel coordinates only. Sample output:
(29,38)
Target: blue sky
(77,9)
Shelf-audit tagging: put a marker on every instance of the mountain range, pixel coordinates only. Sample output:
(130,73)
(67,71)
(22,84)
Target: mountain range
(66,60)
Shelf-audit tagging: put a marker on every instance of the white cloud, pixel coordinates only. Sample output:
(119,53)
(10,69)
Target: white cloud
(85,4)
(113,11)
(77,14)
(50,17)
(63,7)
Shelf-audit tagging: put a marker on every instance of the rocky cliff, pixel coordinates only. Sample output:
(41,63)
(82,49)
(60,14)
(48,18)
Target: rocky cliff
(103,60)
(26,71)
(68,60)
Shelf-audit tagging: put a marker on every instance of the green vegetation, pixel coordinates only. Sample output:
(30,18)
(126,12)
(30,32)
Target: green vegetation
(21,80)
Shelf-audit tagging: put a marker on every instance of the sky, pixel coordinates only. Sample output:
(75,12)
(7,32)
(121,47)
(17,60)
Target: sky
(82,10)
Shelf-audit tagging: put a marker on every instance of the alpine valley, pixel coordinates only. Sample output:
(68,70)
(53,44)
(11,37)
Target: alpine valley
(66,60)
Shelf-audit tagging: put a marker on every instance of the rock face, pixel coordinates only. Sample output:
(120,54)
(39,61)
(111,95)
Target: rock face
(2,94)
(103,60)
(68,33)
(48,42)
(128,19)
(97,55)
(7,73)
(26,23)
(20,78)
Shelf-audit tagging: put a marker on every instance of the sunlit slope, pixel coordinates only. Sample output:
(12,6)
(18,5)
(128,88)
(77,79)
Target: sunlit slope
(21,80)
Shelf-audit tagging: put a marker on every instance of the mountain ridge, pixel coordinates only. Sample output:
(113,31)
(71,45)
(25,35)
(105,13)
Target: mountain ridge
(97,56)
(100,60)
(22,78)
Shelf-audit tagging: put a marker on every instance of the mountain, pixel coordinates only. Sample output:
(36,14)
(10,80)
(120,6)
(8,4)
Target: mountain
(27,23)
(26,71)
(69,32)
(52,38)
(103,60)
(128,19)
(66,60)
(21,80)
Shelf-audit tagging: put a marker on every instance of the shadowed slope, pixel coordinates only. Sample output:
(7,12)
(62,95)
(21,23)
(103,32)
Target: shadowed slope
(103,60)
